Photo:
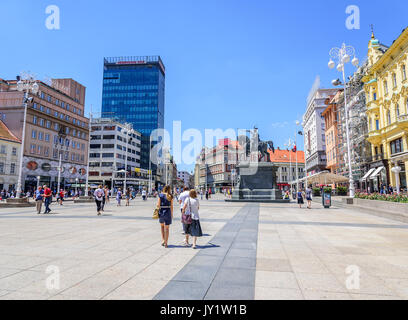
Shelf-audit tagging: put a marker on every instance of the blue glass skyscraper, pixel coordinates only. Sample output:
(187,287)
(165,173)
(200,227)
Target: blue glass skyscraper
(133,92)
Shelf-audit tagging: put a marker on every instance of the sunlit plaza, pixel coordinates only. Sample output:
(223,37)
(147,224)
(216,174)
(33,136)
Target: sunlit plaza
(248,251)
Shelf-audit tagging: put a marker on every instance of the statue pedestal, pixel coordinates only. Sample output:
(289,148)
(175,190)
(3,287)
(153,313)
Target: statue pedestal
(257,183)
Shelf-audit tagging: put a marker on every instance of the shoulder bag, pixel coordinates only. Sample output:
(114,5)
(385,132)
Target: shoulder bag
(156,212)
(187,218)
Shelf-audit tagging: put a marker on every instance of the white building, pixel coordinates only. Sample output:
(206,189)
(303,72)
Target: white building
(10,148)
(185,176)
(314,130)
(114,147)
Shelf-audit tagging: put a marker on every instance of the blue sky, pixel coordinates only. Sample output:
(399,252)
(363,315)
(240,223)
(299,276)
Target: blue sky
(229,63)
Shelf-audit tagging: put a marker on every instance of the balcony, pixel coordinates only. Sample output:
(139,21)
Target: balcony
(376,157)
(373,105)
(402,118)
(374,133)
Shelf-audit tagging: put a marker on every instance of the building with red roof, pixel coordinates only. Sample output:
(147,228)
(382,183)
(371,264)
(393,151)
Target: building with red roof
(286,160)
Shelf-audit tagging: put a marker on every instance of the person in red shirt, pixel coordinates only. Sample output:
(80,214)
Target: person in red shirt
(47,199)
(61,196)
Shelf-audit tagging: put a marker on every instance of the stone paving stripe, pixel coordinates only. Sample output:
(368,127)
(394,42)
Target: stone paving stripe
(224,271)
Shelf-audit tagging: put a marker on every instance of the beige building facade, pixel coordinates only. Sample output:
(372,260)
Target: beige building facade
(55,127)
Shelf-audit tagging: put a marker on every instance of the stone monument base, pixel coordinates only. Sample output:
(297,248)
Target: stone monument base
(257,195)
(257,184)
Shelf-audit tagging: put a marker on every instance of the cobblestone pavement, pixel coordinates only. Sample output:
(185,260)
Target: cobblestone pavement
(249,251)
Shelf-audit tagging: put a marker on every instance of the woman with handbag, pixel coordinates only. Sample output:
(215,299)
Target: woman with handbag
(165,206)
(192,219)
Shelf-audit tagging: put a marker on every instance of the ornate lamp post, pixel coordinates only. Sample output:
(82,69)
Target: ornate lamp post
(129,131)
(289,145)
(300,132)
(27,84)
(59,146)
(76,185)
(38,181)
(89,151)
(342,56)
(297,170)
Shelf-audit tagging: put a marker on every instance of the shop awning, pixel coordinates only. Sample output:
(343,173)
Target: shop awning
(367,174)
(376,172)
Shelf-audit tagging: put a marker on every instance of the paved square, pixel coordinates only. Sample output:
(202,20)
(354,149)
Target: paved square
(249,251)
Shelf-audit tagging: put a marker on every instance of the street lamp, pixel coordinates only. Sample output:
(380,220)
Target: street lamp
(306,150)
(129,131)
(150,185)
(38,181)
(60,146)
(28,84)
(89,151)
(342,55)
(289,145)
(76,185)
(297,170)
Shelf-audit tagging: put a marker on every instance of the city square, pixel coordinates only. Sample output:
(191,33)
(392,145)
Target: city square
(249,251)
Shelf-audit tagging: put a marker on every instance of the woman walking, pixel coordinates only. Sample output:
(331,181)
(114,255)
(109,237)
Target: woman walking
(107,192)
(192,206)
(99,194)
(300,198)
(309,197)
(127,197)
(165,204)
(119,196)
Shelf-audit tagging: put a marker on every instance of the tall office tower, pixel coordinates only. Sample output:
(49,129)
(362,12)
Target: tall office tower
(133,92)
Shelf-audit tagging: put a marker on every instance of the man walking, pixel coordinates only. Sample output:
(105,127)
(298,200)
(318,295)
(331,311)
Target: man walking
(38,197)
(47,199)
(309,196)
